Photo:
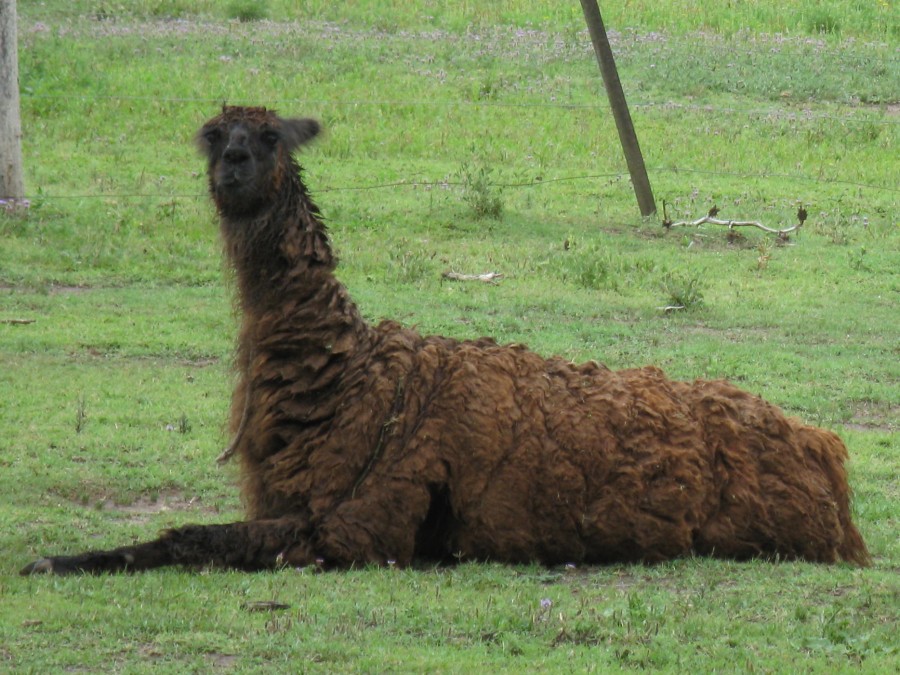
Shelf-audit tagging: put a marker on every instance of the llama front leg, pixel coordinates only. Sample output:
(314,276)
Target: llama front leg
(253,545)
(382,526)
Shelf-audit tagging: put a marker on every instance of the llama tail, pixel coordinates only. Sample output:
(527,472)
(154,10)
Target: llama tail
(853,548)
(831,454)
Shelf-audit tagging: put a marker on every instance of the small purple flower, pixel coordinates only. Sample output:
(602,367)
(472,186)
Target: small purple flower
(13,204)
(546,604)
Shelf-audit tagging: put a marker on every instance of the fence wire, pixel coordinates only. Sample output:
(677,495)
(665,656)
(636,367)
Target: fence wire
(446,184)
(863,116)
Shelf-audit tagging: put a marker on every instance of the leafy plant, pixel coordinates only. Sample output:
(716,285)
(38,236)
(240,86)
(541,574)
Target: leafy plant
(409,263)
(764,248)
(683,291)
(822,20)
(247,10)
(479,190)
(590,265)
(184,424)
(858,259)
(80,415)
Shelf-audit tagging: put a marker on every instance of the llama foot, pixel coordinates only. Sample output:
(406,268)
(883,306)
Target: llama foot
(42,566)
(88,563)
(252,545)
(58,566)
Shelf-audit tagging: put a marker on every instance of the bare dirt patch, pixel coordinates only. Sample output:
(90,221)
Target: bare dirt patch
(872,416)
(735,335)
(145,507)
(222,661)
(58,289)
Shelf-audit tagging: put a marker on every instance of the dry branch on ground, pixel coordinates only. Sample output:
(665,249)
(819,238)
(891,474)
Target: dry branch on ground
(487,277)
(731,224)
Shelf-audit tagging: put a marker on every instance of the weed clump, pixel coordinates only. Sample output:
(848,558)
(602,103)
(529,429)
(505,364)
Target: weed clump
(410,264)
(591,267)
(246,11)
(80,415)
(682,290)
(823,22)
(479,190)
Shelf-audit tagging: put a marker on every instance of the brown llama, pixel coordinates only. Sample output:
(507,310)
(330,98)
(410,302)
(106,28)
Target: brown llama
(364,444)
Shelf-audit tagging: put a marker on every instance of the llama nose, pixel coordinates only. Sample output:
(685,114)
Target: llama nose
(236,155)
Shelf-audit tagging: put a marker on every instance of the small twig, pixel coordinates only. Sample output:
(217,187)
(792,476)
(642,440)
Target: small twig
(488,277)
(264,606)
(668,309)
(17,322)
(227,453)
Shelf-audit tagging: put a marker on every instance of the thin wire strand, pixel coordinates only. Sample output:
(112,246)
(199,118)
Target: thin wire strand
(523,184)
(775,113)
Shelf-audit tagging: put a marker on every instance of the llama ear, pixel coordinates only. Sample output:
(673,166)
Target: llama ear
(296,132)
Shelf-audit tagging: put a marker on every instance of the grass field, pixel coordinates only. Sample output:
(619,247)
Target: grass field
(462,136)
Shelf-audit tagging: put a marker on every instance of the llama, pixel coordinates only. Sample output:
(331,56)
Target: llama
(371,444)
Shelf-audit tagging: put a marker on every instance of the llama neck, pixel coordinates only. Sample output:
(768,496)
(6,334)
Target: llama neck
(280,246)
(284,268)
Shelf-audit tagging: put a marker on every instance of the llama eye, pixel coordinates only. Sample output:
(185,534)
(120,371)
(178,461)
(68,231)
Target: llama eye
(212,136)
(270,138)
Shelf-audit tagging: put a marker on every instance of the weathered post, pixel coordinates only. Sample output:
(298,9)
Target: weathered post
(627,135)
(11,184)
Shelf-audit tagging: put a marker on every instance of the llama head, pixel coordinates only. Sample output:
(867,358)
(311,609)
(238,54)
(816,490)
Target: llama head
(248,151)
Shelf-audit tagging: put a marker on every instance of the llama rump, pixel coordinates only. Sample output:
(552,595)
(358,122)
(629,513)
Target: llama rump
(370,444)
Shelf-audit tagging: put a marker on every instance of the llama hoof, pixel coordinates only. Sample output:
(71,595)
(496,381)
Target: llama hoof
(42,566)
(58,566)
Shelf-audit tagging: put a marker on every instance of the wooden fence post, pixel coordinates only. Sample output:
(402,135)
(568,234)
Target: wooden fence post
(11,184)
(627,135)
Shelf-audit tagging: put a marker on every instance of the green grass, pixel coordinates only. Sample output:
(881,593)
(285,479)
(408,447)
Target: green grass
(486,125)
(875,19)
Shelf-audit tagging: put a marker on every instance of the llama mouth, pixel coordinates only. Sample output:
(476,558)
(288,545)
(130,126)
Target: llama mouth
(234,173)
(233,180)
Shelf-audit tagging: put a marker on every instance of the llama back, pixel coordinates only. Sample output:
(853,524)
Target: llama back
(650,468)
